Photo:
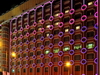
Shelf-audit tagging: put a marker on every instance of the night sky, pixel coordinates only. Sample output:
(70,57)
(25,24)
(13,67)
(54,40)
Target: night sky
(6,5)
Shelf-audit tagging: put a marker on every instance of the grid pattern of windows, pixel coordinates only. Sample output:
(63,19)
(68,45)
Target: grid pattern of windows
(55,69)
(56,50)
(77,68)
(46,51)
(77,47)
(90,56)
(77,57)
(67,48)
(38,69)
(54,34)
(46,69)
(65,69)
(90,45)
(89,67)
(66,58)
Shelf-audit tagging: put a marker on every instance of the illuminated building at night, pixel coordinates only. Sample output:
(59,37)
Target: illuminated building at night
(45,37)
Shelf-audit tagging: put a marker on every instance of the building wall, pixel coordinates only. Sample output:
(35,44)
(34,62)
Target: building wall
(47,37)
(4,47)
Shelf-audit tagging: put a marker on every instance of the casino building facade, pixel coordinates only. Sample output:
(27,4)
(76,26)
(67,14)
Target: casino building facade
(53,33)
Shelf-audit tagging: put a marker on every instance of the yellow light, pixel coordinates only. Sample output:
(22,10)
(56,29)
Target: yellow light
(56,23)
(47,34)
(0,44)
(13,54)
(48,26)
(66,30)
(0,70)
(90,3)
(56,14)
(66,11)
(77,27)
(39,29)
(39,21)
(68,64)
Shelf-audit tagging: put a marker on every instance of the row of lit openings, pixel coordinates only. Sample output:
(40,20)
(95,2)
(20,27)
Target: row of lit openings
(47,34)
(56,22)
(55,69)
(56,13)
(55,40)
(56,31)
(57,50)
(89,56)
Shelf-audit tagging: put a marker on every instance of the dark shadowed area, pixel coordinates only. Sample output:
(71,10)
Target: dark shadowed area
(7,5)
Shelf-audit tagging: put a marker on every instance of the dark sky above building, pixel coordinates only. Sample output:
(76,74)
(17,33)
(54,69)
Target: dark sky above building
(6,5)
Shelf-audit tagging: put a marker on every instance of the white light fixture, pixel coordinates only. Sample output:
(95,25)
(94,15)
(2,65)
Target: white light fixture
(90,3)
(66,11)
(66,30)
(57,14)
(77,27)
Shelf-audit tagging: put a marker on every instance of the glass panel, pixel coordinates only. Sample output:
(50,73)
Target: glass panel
(77,68)
(90,34)
(55,69)
(56,23)
(90,68)
(90,3)
(24,70)
(38,69)
(66,39)
(77,37)
(55,59)
(65,69)
(77,57)
(90,23)
(66,29)
(46,60)
(78,27)
(66,48)
(31,69)
(66,58)
(66,19)
(48,26)
(56,50)
(90,56)
(66,11)
(47,51)
(90,45)
(77,47)
(46,69)
(77,16)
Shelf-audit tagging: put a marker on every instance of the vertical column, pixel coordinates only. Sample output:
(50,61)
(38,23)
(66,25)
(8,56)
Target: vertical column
(22,20)
(42,12)
(10,45)
(98,22)
(83,2)
(61,6)
(51,8)
(35,15)
(83,54)
(28,22)
(71,4)
(17,22)
(70,70)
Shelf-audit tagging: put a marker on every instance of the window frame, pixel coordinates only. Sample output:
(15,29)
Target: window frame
(77,57)
(55,69)
(77,68)
(57,50)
